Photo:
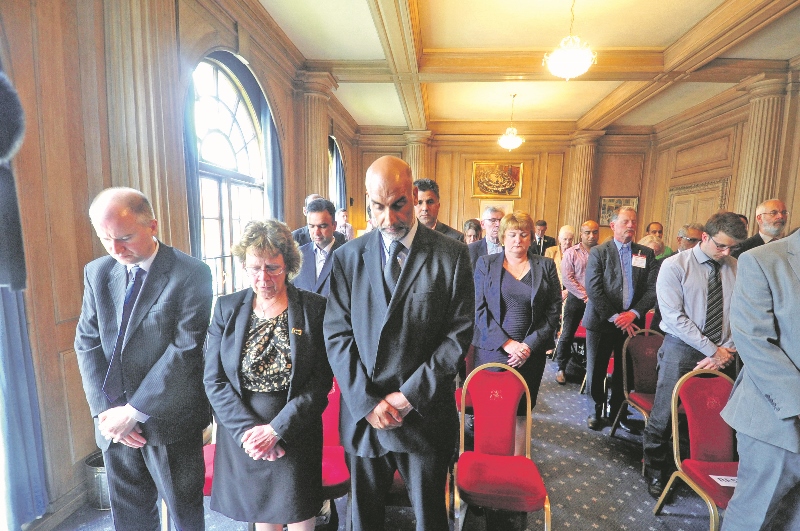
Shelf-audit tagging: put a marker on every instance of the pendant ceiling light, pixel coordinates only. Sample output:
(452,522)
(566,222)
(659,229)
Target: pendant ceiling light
(510,140)
(572,58)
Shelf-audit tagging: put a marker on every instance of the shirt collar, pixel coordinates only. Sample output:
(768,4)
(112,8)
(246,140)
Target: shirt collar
(405,240)
(327,248)
(700,255)
(619,244)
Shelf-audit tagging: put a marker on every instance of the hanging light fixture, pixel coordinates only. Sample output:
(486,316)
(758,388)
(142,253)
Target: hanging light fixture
(572,58)
(510,140)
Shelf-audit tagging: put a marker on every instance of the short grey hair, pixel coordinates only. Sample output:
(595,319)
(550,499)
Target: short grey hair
(620,210)
(566,229)
(684,231)
(491,210)
(655,241)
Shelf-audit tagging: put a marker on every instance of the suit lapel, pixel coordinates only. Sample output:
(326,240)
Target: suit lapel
(118,283)
(794,253)
(296,321)
(326,269)
(154,283)
(372,263)
(240,320)
(495,271)
(537,274)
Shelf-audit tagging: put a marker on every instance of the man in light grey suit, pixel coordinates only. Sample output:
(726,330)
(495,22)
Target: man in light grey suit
(139,344)
(765,403)
(399,319)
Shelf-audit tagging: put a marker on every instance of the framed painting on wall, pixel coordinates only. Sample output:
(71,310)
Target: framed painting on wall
(497,179)
(505,205)
(609,204)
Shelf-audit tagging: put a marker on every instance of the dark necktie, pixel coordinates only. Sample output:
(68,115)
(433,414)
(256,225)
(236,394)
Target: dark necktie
(113,386)
(391,271)
(713,328)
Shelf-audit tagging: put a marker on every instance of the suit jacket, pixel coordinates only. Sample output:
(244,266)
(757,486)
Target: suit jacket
(301,417)
(765,402)
(545,301)
(449,231)
(604,285)
(476,250)
(162,352)
(307,277)
(302,237)
(750,243)
(549,241)
(412,344)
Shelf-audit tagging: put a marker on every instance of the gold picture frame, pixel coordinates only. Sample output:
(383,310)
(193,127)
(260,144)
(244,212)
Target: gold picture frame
(609,204)
(497,180)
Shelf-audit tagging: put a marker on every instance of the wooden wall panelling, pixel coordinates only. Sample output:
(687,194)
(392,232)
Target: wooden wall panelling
(789,163)
(695,203)
(554,180)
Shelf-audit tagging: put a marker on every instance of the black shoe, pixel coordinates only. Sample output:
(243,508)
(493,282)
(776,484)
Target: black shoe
(630,427)
(655,487)
(595,422)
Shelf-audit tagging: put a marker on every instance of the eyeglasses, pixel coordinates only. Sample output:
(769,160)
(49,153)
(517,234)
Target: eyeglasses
(773,213)
(690,240)
(721,247)
(271,270)
(493,221)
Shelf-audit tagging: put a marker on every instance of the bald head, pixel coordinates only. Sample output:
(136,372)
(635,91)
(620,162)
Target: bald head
(123,220)
(392,196)
(590,234)
(113,201)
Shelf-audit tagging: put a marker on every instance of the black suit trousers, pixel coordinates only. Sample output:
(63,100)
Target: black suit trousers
(574,309)
(136,477)
(600,345)
(425,477)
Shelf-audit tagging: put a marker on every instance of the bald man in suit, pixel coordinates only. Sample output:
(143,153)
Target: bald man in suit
(399,319)
(139,344)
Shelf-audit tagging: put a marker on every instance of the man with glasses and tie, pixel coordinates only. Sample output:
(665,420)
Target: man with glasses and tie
(315,272)
(771,216)
(621,289)
(399,319)
(490,243)
(694,293)
(139,345)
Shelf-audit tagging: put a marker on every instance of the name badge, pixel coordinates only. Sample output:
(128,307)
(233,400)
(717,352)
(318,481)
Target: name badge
(297,331)
(639,260)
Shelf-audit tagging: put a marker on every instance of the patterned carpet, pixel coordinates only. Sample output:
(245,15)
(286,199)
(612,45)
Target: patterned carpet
(594,481)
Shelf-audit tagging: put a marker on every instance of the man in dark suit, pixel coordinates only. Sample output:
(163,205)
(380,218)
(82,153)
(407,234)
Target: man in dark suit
(541,242)
(427,209)
(771,216)
(318,254)
(399,319)
(302,235)
(621,289)
(764,405)
(490,243)
(139,344)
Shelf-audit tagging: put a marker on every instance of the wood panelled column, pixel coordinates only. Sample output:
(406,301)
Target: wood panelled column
(417,153)
(758,173)
(145,108)
(581,168)
(317,87)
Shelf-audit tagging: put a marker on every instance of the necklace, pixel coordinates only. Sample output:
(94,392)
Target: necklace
(261,312)
(518,271)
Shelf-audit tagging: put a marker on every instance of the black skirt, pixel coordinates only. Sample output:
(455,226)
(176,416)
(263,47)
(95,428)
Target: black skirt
(283,491)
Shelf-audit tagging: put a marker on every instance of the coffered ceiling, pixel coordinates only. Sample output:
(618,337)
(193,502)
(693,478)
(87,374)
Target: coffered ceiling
(452,65)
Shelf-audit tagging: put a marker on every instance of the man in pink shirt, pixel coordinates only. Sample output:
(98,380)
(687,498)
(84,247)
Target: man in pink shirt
(573,273)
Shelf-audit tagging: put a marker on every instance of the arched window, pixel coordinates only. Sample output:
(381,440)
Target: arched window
(230,168)
(336,178)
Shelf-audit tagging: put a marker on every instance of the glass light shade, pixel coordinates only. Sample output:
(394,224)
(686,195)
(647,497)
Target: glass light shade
(510,140)
(571,59)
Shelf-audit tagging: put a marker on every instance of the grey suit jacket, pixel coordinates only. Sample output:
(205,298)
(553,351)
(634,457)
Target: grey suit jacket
(765,402)
(604,285)
(476,250)
(162,352)
(301,417)
(449,231)
(307,278)
(412,344)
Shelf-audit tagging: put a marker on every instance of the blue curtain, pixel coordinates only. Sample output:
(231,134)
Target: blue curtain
(273,174)
(192,178)
(20,423)
(339,195)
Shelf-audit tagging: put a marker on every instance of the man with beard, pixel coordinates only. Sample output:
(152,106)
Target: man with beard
(573,275)
(771,216)
(399,318)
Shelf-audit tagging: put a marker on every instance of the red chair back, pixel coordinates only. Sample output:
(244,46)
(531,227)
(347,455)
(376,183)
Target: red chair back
(580,333)
(642,349)
(495,397)
(330,417)
(710,437)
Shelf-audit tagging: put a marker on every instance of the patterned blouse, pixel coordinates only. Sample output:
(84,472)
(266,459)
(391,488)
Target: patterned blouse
(266,359)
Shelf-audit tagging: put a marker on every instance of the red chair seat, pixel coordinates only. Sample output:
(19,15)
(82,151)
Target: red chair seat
(504,482)
(209,451)
(335,475)
(642,400)
(699,472)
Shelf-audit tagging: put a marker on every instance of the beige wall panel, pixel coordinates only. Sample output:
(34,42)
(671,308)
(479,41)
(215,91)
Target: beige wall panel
(705,154)
(555,194)
(695,203)
(202,27)
(81,441)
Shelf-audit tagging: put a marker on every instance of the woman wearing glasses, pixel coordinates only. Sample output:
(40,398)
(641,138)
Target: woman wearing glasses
(267,378)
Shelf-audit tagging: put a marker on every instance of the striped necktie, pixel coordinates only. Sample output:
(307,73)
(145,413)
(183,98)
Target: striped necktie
(113,386)
(713,328)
